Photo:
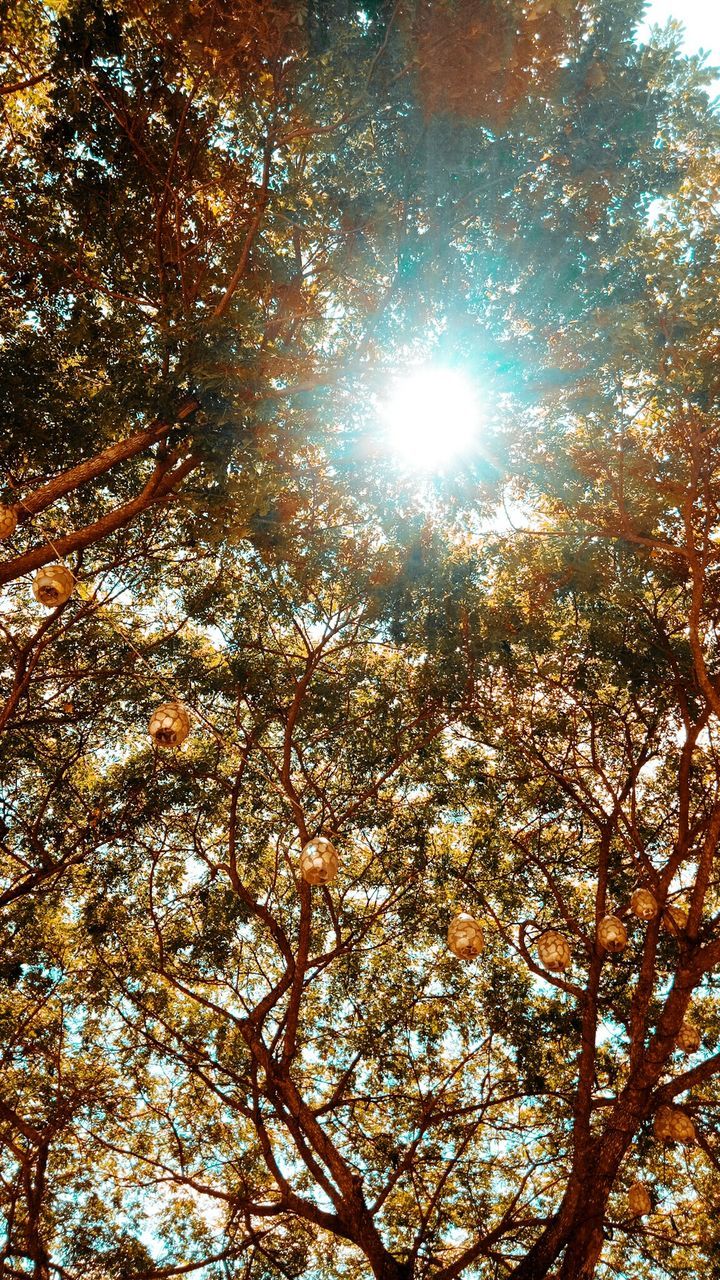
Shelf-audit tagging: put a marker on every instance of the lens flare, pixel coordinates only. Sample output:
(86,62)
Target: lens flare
(432,417)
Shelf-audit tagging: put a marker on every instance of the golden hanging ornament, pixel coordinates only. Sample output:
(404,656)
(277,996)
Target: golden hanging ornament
(554,951)
(465,936)
(53,585)
(319,862)
(612,934)
(688,1037)
(169,725)
(674,919)
(673,1125)
(8,522)
(639,1201)
(643,904)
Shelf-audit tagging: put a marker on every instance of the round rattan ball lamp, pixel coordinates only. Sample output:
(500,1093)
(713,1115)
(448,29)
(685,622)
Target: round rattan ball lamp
(674,919)
(673,1125)
(465,936)
(612,934)
(643,905)
(319,861)
(53,585)
(638,1199)
(169,724)
(8,522)
(554,951)
(688,1037)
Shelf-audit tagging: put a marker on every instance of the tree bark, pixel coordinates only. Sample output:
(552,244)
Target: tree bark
(583,1250)
(102,462)
(158,487)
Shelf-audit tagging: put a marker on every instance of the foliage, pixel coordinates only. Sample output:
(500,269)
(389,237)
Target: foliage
(224,228)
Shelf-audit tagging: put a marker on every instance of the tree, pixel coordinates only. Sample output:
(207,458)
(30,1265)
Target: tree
(228,226)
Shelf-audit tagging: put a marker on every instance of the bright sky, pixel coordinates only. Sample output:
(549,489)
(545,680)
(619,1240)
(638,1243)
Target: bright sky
(701,19)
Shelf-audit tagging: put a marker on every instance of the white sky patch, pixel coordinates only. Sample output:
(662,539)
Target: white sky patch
(700,20)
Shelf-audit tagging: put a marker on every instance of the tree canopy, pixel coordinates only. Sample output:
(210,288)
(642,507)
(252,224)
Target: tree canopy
(226,227)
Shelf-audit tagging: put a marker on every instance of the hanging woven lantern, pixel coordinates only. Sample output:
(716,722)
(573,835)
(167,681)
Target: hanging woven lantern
(643,905)
(673,1125)
(169,724)
(53,585)
(319,861)
(688,1037)
(554,951)
(8,522)
(612,934)
(465,936)
(674,919)
(638,1199)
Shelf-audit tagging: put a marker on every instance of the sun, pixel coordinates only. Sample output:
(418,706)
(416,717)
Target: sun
(431,417)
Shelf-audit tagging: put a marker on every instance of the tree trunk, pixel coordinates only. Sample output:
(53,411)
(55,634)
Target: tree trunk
(389,1268)
(584,1248)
